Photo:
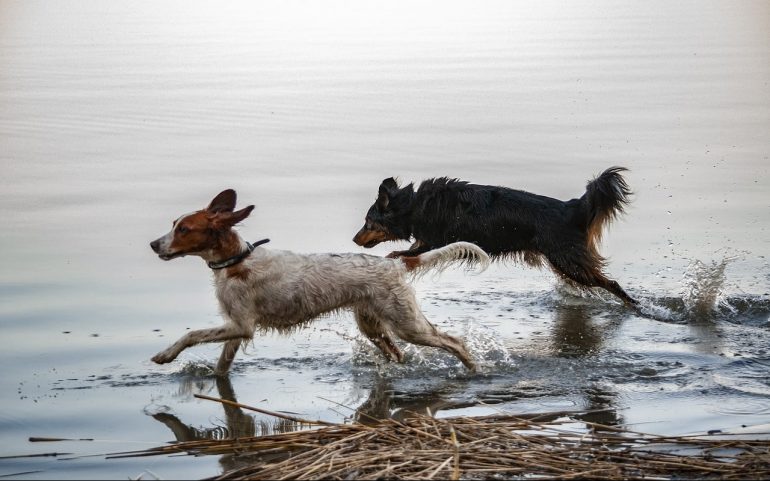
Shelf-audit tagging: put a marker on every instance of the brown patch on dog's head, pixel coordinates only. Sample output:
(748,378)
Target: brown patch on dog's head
(221,210)
(203,229)
(191,233)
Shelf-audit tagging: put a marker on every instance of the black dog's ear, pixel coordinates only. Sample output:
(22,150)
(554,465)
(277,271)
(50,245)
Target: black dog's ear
(389,184)
(223,202)
(388,188)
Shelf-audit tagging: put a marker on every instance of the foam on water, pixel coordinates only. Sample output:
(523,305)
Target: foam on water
(197,368)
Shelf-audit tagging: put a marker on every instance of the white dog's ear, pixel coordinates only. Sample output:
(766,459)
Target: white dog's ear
(223,202)
(239,215)
(225,220)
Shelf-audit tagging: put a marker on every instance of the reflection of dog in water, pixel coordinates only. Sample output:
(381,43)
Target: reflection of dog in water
(281,290)
(382,402)
(237,423)
(504,222)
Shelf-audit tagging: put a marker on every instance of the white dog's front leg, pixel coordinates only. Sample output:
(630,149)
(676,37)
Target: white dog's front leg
(228,354)
(223,333)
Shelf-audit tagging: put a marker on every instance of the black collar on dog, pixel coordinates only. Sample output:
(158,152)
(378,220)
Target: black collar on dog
(238,258)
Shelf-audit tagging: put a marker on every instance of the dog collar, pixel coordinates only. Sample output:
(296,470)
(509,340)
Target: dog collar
(238,258)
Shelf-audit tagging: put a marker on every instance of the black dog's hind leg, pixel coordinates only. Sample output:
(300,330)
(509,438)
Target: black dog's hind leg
(613,287)
(589,276)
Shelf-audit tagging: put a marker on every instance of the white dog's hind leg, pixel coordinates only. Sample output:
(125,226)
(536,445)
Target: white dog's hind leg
(370,326)
(412,326)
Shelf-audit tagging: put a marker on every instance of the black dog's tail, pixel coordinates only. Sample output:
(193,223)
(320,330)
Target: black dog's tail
(605,198)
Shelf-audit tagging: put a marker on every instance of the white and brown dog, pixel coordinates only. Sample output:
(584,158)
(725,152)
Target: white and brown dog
(260,289)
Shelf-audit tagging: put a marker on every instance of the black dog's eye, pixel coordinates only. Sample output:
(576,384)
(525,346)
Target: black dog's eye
(183,230)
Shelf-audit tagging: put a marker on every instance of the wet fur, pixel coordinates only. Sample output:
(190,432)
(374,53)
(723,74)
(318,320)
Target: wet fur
(282,290)
(506,223)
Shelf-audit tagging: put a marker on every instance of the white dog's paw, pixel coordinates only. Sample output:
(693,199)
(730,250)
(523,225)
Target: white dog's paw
(163,357)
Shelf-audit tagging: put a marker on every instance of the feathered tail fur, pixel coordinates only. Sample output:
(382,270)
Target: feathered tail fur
(605,198)
(466,253)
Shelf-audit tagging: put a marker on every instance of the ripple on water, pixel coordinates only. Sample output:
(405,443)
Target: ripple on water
(750,376)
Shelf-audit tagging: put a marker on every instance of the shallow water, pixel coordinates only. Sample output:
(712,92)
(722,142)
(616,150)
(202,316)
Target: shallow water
(117,118)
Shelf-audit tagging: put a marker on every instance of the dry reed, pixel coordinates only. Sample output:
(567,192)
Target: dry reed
(499,446)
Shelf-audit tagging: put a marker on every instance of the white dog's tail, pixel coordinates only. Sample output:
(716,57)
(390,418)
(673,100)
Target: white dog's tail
(466,253)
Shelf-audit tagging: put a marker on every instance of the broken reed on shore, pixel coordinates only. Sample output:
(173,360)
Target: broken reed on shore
(505,446)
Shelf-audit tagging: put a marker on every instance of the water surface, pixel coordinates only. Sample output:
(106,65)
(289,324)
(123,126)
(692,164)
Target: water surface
(117,118)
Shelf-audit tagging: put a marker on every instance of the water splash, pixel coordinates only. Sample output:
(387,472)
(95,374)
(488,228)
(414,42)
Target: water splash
(703,288)
(416,359)
(483,343)
(705,296)
(662,309)
(194,368)
(486,347)
(567,292)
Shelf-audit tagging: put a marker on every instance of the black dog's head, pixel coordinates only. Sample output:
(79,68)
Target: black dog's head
(388,218)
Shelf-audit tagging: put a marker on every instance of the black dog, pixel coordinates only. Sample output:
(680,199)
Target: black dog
(504,222)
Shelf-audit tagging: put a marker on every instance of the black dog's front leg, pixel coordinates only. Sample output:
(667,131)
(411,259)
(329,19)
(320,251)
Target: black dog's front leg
(414,250)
